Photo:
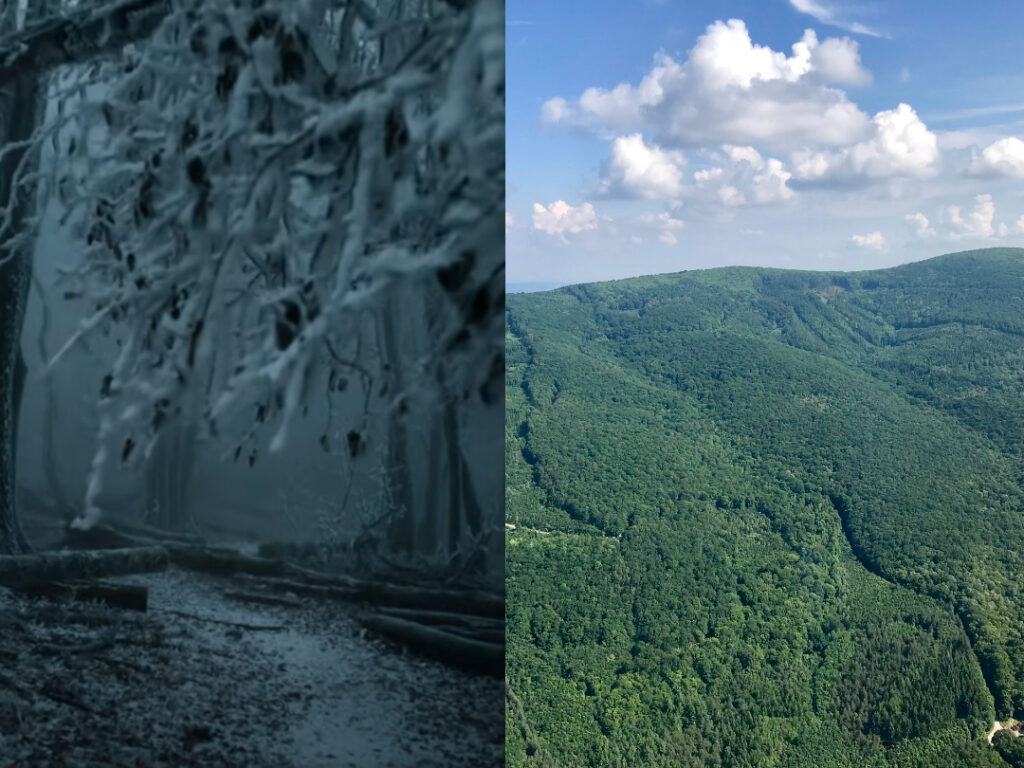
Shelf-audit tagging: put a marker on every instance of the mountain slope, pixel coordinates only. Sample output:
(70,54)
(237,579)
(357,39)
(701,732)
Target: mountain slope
(766,517)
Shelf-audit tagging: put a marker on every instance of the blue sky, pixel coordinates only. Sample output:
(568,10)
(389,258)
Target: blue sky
(648,136)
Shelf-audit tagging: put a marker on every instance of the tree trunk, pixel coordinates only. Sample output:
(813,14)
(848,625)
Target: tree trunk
(474,518)
(51,470)
(21,109)
(429,527)
(451,436)
(402,528)
(169,477)
(22,71)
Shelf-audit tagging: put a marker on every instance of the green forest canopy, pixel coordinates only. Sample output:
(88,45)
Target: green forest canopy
(767,518)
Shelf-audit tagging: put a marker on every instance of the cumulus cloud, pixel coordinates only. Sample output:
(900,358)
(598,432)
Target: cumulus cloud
(560,218)
(636,169)
(731,90)
(873,241)
(826,14)
(922,227)
(746,178)
(837,60)
(975,223)
(645,171)
(900,144)
(1000,158)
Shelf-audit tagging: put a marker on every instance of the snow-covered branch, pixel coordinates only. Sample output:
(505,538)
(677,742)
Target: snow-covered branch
(78,37)
(306,166)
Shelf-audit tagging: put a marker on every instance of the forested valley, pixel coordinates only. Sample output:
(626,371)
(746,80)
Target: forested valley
(251,301)
(760,517)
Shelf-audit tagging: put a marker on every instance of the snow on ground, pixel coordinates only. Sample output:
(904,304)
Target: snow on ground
(295,688)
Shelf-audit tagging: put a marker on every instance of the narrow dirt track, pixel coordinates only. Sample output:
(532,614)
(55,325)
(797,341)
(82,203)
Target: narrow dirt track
(998,726)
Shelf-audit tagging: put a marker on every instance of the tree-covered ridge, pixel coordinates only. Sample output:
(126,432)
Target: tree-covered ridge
(766,517)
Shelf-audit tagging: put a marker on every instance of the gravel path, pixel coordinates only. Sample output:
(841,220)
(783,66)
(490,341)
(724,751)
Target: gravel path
(181,686)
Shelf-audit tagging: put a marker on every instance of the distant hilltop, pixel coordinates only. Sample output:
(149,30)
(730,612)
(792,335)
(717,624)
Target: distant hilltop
(532,287)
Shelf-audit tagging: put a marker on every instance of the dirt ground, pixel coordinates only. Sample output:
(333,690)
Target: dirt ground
(204,680)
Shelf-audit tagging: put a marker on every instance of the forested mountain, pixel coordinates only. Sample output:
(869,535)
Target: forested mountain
(760,517)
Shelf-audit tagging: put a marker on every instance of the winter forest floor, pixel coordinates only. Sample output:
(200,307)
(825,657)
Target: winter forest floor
(203,680)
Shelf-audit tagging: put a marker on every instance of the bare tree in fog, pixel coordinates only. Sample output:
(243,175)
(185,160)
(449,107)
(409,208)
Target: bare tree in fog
(303,167)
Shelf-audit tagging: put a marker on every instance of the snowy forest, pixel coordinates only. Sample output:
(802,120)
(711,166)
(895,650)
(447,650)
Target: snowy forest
(251,382)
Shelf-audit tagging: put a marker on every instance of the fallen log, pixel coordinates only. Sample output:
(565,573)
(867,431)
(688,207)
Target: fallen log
(100,536)
(473,627)
(284,575)
(17,570)
(483,604)
(126,596)
(224,562)
(116,535)
(221,561)
(151,533)
(484,635)
(446,647)
(443,618)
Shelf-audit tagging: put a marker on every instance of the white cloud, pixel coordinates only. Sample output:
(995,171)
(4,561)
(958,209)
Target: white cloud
(662,220)
(636,169)
(827,15)
(746,179)
(900,145)
(560,218)
(510,221)
(873,241)
(1001,158)
(731,90)
(959,139)
(646,171)
(619,109)
(555,111)
(725,56)
(977,222)
(904,75)
(664,224)
(838,61)
(921,225)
